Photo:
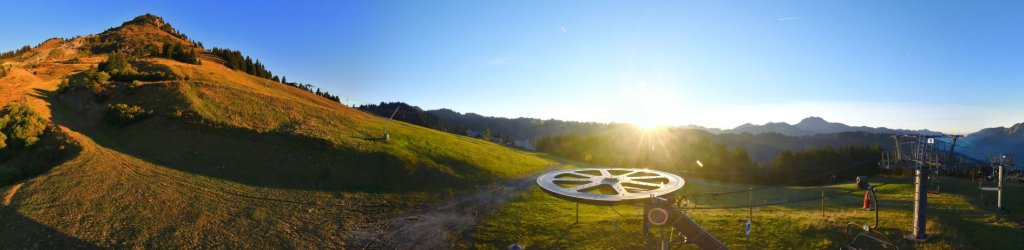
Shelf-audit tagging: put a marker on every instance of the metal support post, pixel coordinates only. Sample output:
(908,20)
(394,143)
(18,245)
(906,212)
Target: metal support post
(921,204)
(999,195)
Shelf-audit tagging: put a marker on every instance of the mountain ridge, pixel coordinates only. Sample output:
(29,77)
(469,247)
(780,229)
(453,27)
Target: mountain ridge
(816,125)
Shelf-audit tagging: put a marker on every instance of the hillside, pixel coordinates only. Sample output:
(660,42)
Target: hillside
(998,140)
(180,151)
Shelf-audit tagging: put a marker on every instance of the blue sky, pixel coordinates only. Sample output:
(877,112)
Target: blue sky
(943,65)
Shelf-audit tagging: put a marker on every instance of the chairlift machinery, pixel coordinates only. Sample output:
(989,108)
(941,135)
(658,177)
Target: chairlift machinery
(617,186)
(613,186)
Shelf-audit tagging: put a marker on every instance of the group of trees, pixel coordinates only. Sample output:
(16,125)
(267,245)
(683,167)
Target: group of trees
(764,147)
(14,53)
(688,152)
(178,52)
(234,59)
(94,80)
(825,165)
(499,127)
(120,67)
(406,113)
(700,154)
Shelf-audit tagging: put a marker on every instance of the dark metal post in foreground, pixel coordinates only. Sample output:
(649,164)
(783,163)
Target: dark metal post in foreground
(921,203)
(577,212)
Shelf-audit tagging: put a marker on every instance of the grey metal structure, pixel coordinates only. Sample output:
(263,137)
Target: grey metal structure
(609,185)
(387,136)
(660,213)
(624,185)
(920,204)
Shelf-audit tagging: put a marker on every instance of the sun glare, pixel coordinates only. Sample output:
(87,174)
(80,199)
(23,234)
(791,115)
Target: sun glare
(651,107)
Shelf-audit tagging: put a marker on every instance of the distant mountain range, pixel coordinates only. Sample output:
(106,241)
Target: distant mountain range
(998,140)
(813,126)
(763,141)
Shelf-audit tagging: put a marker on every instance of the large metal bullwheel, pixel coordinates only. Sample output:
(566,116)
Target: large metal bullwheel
(609,185)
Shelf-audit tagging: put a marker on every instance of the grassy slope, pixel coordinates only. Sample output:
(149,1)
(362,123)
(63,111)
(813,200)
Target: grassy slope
(956,220)
(148,186)
(260,132)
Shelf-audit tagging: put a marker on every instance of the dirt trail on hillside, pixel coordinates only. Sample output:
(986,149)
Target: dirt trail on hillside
(440,224)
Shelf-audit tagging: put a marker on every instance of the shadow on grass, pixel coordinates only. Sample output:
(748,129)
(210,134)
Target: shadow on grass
(264,159)
(20,232)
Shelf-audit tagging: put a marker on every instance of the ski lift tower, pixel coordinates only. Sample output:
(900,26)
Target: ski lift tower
(387,136)
(925,157)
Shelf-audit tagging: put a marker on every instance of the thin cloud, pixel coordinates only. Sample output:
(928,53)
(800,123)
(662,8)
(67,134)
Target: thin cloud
(563,29)
(788,18)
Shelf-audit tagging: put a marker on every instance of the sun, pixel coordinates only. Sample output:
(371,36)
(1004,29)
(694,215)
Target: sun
(648,123)
(650,107)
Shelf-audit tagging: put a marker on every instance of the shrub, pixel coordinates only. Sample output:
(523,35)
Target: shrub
(120,68)
(123,114)
(117,63)
(135,84)
(95,81)
(21,127)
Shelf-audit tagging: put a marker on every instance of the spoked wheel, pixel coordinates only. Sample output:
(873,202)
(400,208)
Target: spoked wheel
(609,185)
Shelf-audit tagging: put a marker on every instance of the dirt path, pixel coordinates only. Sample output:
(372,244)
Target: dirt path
(10,193)
(440,225)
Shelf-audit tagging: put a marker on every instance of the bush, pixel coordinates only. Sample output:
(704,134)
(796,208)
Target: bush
(117,63)
(123,114)
(120,68)
(20,126)
(95,81)
(135,84)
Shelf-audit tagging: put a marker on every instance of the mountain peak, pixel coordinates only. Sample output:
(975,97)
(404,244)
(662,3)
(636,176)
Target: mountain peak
(1016,128)
(813,120)
(147,18)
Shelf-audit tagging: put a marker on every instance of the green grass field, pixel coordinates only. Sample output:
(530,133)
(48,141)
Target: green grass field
(957,219)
